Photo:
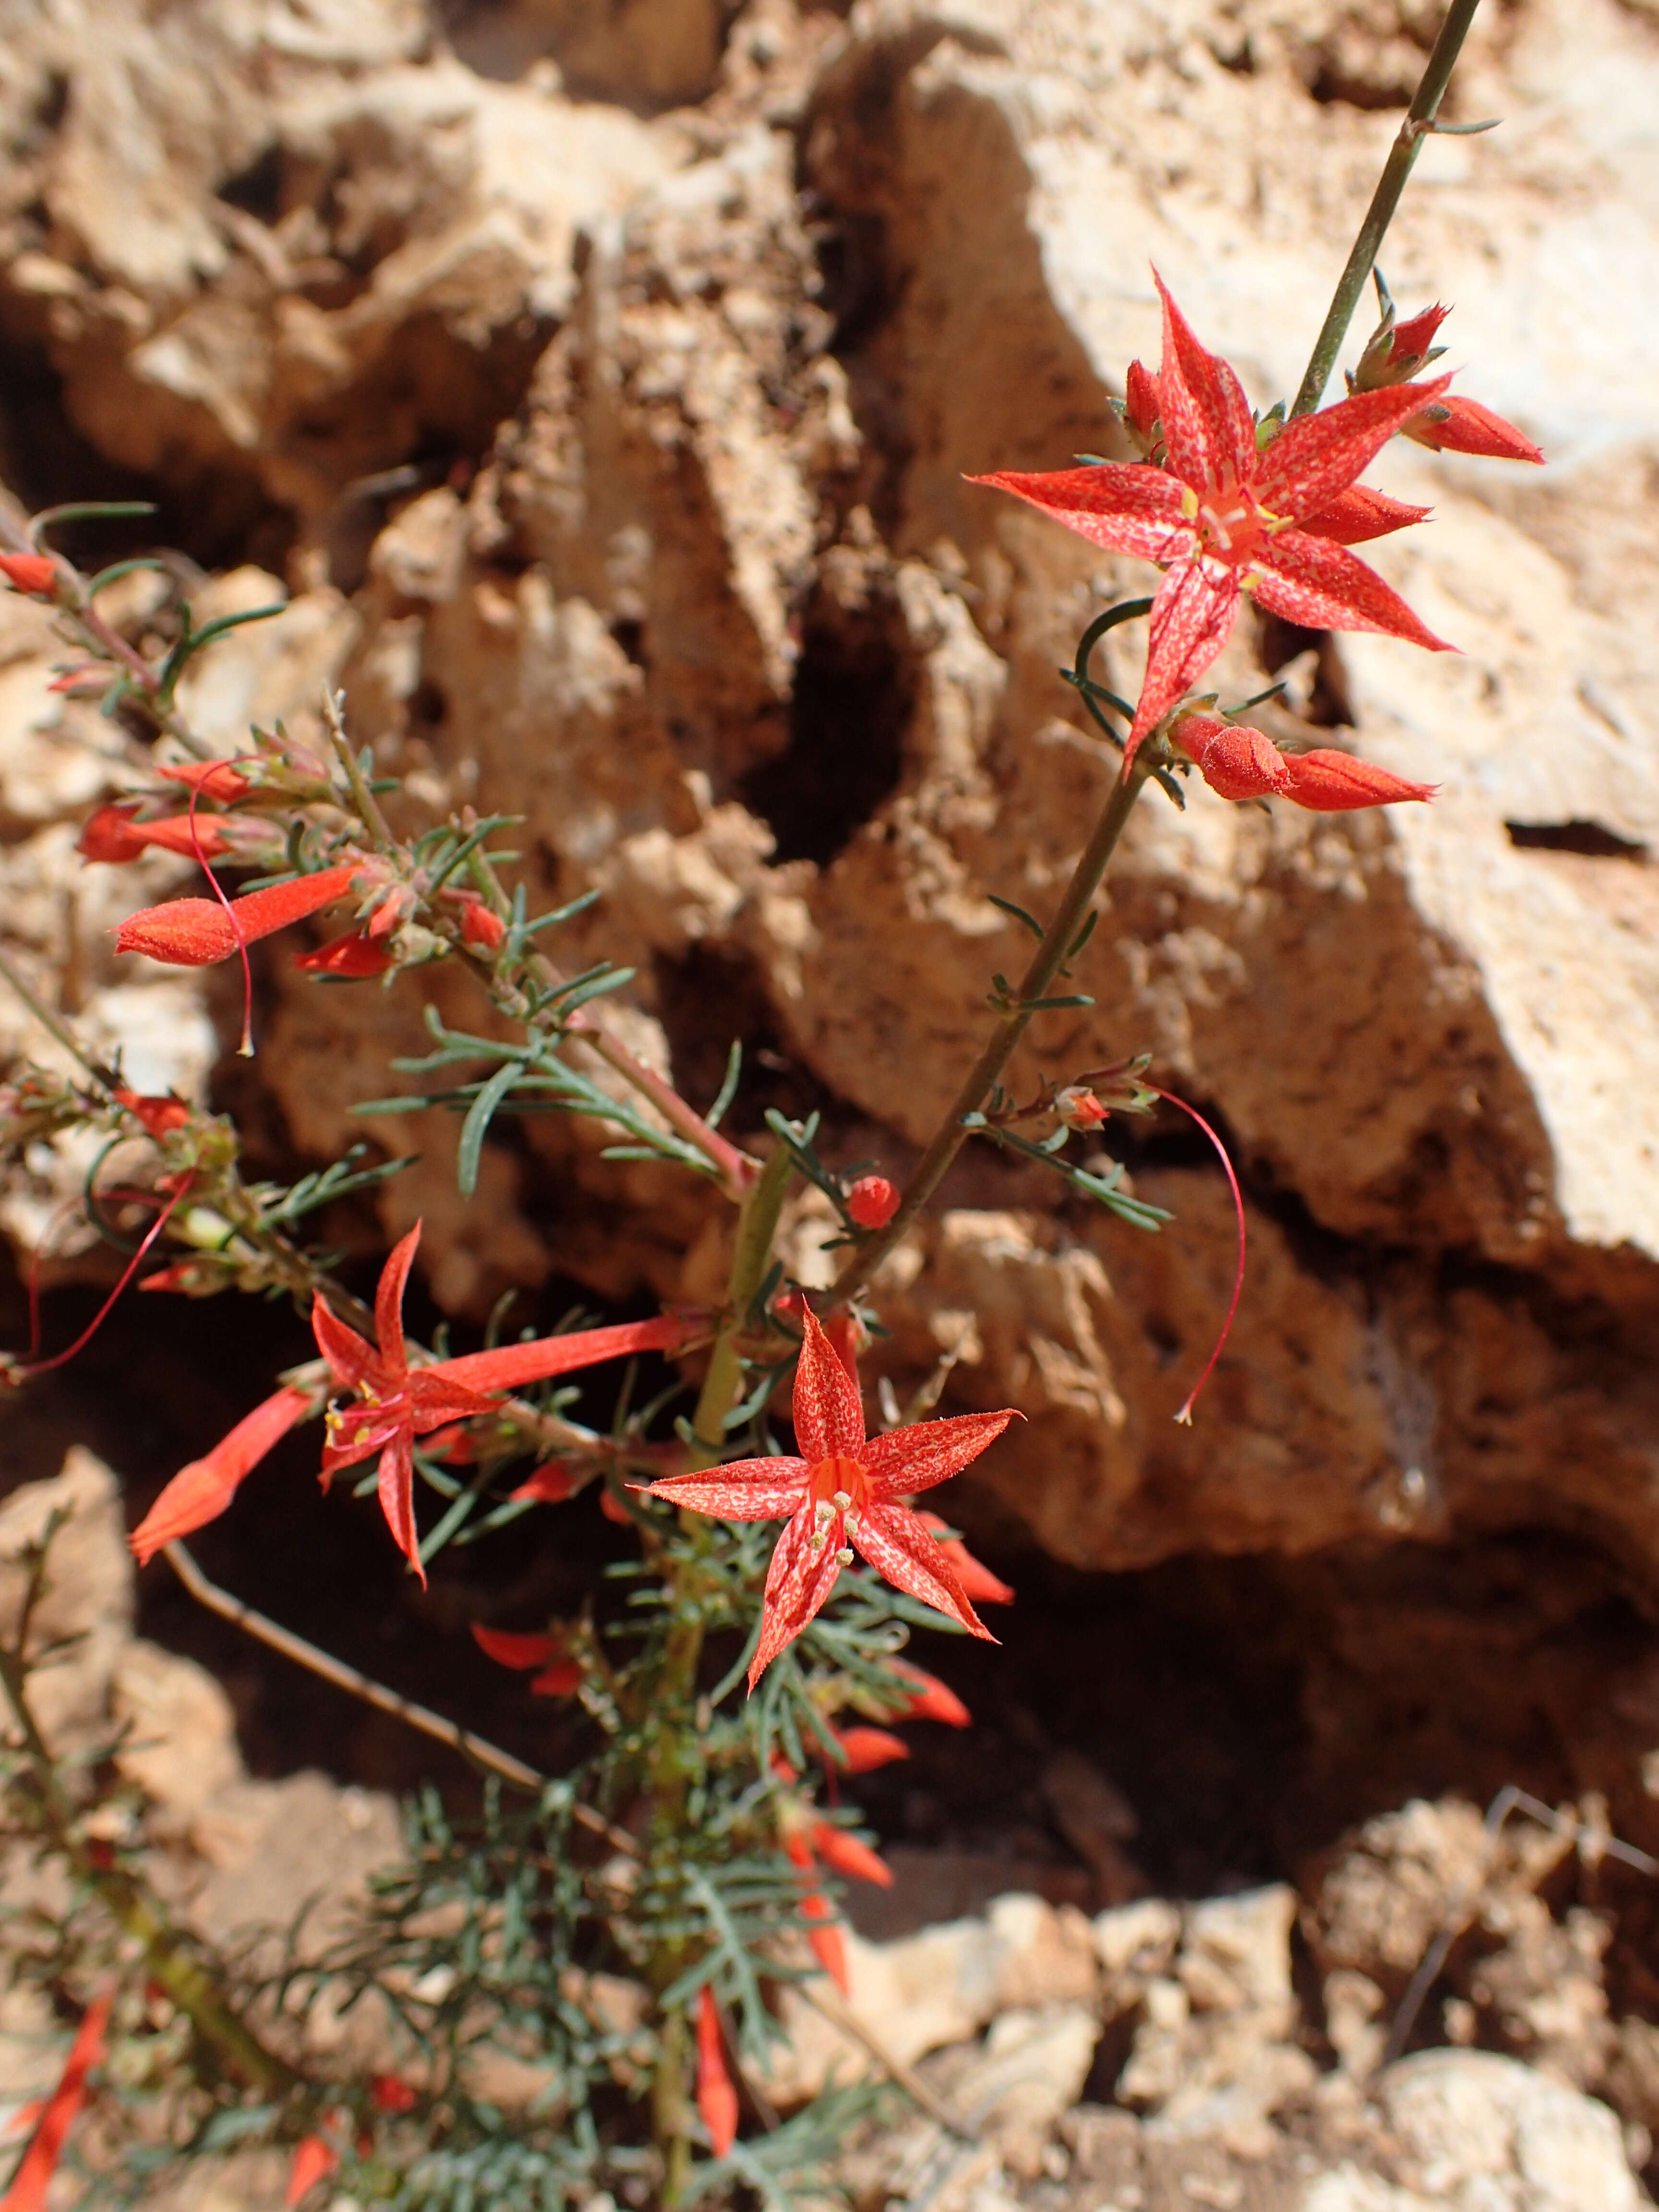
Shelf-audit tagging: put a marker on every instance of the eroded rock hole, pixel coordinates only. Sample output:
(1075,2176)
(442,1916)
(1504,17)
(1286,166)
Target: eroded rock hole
(1319,688)
(1591,839)
(854,690)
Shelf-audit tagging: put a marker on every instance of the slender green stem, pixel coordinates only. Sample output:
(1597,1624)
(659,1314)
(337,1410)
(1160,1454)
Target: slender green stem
(103,1077)
(1046,964)
(367,807)
(1420,120)
(166,1958)
(752,1255)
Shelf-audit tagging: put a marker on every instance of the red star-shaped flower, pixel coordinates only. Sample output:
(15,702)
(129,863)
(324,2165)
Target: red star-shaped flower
(1222,516)
(394,1402)
(845,1493)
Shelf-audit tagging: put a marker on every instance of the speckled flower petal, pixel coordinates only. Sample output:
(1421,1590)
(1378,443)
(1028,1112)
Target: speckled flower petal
(828,1418)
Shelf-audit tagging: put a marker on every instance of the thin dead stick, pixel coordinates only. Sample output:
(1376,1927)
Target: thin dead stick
(1591,1842)
(475,1747)
(842,2016)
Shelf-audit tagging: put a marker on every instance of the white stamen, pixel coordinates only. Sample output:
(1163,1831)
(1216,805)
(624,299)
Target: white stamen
(843,1498)
(845,1556)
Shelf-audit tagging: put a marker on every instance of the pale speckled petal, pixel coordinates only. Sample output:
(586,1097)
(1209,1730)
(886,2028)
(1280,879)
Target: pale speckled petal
(747,1490)
(1208,431)
(828,1415)
(798,1584)
(900,1547)
(912,1459)
(1123,507)
(1192,619)
(1324,586)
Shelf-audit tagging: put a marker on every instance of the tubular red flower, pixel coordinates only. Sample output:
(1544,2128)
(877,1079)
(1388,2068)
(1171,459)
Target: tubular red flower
(355,956)
(823,1933)
(194,933)
(872,1201)
(482,927)
(394,1403)
(717,2099)
(865,1749)
(845,1493)
(1222,516)
(510,1648)
(845,1855)
(112,834)
(159,1115)
(1239,762)
(551,1484)
(976,1577)
(314,2159)
(930,1701)
(200,1492)
(220,780)
(34,573)
(29,2185)
(1464,426)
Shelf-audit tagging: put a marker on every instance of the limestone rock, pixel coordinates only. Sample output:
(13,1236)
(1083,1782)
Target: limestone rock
(86,1605)
(1478,2129)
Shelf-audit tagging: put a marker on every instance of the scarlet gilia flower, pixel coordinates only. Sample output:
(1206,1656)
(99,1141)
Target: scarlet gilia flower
(842,1852)
(1078,1107)
(1240,762)
(559,1676)
(551,1484)
(40,2161)
(34,573)
(220,780)
(482,927)
(872,1201)
(1223,516)
(976,1577)
(717,2099)
(196,933)
(930,1700)
(863,1750)
(1464,426)
(200,1492)
(353,958)
(393,1403)
(113,833)
(845,1494)
(160,1116)
(314,2158)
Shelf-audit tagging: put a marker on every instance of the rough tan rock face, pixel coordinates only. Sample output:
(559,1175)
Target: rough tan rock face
(682,567)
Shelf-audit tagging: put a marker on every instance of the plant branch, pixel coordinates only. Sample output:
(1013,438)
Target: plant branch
(167,1956)
(103,1077)
(1419,121)
(1046,964)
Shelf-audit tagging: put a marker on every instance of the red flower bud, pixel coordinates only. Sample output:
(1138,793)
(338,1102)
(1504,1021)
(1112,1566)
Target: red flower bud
(872,1201)
(1464,426)
(1140,400)
(717,2099)
(1331,782)
(1078,1107)
(159,1115)
(388,2094)
(34,573)
(482,927)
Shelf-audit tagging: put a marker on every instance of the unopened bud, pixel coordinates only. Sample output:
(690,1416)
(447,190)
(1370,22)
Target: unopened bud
(34,573)
(1078,1107)
(872,1201)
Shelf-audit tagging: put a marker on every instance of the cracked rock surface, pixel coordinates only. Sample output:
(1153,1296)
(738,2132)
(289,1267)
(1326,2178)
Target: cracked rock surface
(601,398)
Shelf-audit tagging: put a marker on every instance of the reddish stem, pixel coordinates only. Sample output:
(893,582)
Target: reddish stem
(1185,1416)
(61,1358)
